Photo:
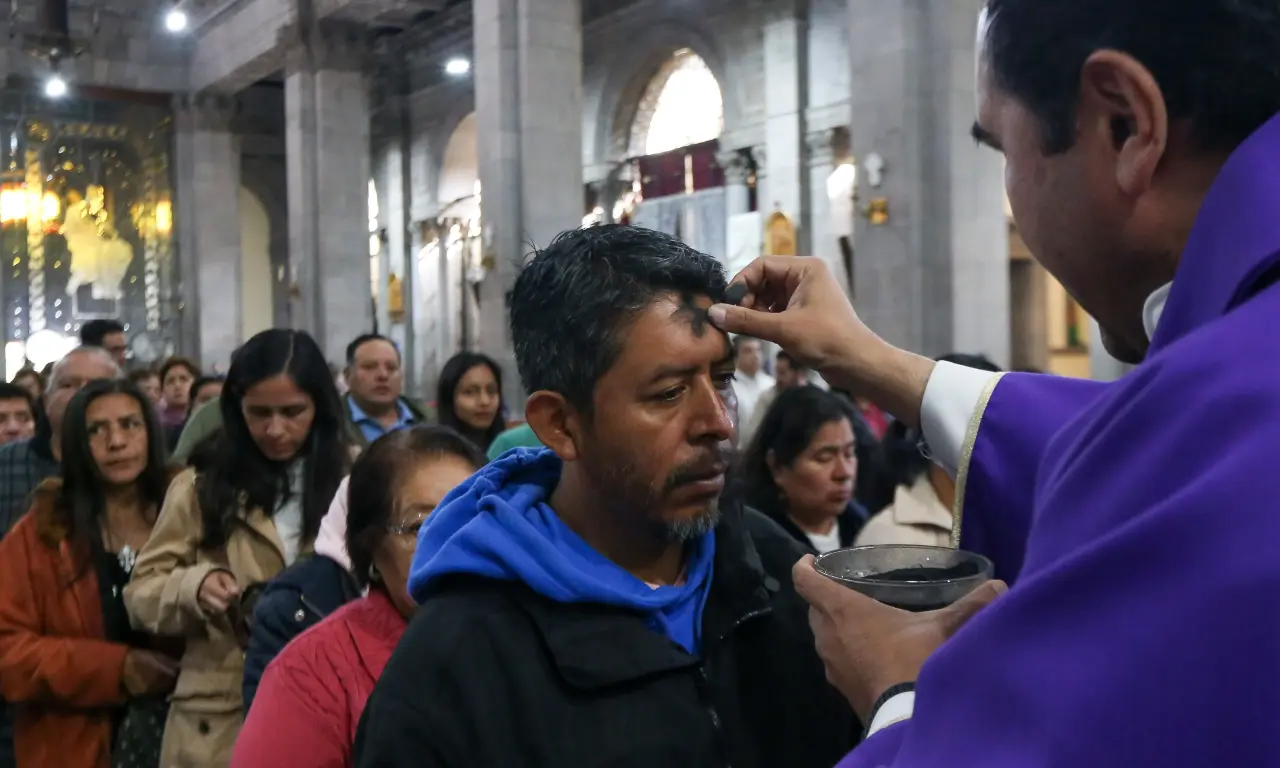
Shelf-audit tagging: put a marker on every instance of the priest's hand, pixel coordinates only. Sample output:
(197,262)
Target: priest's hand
(869,647)
(797,303)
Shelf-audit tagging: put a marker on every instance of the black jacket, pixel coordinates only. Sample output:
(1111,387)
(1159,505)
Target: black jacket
(491,675)
(296,599)
(850,524)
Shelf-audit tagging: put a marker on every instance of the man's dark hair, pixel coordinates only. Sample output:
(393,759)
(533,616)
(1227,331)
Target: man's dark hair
(363,339)
(94,333)
(1217,62)
(784,355)
(10,391)
(574,300)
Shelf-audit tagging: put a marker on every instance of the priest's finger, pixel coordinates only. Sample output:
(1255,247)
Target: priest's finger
(956,615)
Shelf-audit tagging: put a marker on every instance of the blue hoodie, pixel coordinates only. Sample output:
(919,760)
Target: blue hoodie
(498,525)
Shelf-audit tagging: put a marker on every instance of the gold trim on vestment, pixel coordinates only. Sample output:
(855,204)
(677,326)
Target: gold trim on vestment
(966,454)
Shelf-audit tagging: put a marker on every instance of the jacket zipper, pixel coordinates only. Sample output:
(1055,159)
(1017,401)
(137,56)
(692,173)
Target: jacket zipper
(704,683)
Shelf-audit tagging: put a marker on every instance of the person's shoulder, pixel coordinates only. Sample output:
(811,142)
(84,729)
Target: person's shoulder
(778,549)
(463,616)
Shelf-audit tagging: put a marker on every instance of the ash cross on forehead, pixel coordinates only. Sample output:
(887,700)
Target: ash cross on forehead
(694,314)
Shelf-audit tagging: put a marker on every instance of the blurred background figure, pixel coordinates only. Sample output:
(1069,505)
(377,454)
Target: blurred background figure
(313,694)
(801,468)
(148,381)
(469,398)
(87,689)
(18,413)
(109,335)
(204,390)
(375,398)
(176,375)
(231,527)
(923,493)
(25,463)
(30,380)
(789,374)
(750,381)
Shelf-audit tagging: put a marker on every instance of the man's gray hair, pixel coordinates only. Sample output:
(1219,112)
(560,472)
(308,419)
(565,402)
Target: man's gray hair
(55,375)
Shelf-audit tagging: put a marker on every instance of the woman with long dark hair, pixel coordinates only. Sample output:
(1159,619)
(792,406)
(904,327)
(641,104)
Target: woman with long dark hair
(312,696)
(232,525)
(71,666)
(801,467)
(469,398)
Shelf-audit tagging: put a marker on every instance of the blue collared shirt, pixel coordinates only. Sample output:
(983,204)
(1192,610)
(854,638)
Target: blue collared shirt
(371,428)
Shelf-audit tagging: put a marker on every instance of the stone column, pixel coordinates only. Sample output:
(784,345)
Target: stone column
(737,197)
(935,278)
(207,156)
(822,148)
(327,143)
(528,78)
(785,78)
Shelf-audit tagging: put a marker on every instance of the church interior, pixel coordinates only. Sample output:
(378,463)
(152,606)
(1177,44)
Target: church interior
(206,169)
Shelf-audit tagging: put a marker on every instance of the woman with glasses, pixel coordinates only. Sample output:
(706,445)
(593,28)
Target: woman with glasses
(310,699)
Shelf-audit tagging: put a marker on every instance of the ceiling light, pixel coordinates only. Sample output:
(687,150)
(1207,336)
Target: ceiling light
(457,67)
(175,20)
(55,87)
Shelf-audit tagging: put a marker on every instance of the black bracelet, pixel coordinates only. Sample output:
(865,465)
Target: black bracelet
(884,699)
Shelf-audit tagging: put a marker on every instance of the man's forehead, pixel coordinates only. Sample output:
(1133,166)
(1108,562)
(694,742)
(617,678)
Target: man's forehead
(675,324)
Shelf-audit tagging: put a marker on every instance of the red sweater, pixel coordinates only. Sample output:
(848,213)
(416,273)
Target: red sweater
(312,695)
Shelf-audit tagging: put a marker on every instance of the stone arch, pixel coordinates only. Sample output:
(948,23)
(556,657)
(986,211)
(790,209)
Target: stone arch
(459,163)
(647,109)
(266,178)
(618,94)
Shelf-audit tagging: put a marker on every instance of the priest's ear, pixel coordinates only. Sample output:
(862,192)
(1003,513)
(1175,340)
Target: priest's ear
(557,424)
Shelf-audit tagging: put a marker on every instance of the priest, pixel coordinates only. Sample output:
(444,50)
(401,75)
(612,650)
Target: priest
(1135,519)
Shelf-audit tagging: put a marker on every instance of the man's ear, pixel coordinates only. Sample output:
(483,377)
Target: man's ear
(556,423)
(346,375)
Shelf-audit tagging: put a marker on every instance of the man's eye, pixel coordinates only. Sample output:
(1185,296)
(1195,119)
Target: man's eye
(725,380)
(671,395)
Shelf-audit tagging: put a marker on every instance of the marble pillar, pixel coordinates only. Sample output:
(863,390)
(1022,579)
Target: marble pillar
(528,80)
(935,277)
(327,144)
(737,168)
(822,151)
(785,79)
(207,159)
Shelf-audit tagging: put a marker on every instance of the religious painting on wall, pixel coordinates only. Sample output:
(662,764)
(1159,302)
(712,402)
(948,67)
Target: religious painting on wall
(86,219)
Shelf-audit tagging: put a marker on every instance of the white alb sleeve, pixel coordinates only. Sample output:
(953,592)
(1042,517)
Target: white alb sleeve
(894,710)
(950,398)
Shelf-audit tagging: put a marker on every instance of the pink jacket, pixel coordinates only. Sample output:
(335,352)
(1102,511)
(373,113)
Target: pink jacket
(312,695)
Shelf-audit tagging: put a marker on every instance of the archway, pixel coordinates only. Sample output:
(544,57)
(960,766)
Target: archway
(681,106)
(257,308)
(460,164)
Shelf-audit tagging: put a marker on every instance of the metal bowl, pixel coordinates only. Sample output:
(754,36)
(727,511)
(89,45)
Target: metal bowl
(908,577)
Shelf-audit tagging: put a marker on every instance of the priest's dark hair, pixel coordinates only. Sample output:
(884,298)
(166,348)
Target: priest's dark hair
(237,476)
(83,499)
(900,448)
(376,478)
(574,301)
(1217,62)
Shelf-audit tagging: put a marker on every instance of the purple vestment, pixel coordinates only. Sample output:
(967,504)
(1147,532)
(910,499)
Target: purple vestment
(1141,519)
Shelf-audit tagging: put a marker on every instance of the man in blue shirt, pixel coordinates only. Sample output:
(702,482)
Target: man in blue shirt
(375,402)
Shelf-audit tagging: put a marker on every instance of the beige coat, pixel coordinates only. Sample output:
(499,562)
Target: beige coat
(207,709)
(915,517)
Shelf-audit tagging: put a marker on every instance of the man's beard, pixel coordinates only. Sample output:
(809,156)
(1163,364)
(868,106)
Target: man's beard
(646,501)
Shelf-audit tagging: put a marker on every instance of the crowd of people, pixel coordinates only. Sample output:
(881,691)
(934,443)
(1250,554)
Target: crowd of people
(206,570)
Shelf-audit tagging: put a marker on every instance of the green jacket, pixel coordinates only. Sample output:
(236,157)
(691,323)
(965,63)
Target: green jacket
(521,436)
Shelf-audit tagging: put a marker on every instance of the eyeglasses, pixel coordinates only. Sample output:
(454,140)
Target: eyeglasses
(411,529)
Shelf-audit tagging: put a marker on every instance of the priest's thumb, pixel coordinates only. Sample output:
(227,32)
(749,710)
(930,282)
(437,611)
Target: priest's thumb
(956,615)
(748,322)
